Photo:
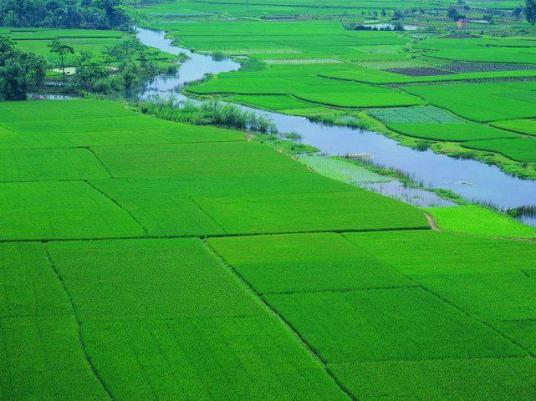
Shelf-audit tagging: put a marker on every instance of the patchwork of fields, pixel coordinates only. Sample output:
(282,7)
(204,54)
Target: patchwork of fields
(317,68)
(142,259)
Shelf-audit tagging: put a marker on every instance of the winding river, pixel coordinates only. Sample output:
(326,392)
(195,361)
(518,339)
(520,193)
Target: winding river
(473,180)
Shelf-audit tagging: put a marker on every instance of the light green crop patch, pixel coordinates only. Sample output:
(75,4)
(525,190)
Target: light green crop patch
(60,210)
(405,324)
(50,164)
(478,220)
(342,170)
(422,253)
(482,49)
(304,262)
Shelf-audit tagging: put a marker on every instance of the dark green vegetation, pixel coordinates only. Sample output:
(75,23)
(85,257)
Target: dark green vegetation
(82,60)
(144,259)
(93,14)
(19,71)
(207,113)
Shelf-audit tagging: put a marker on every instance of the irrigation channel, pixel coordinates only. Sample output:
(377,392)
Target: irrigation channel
(473,180)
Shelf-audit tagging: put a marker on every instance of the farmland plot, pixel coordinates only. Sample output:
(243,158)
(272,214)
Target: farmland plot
(304,262)
(128,129)
(522,149)
(185,333)
(454,132)
(527,126)
(481,221)
(60,209)
(41,353)
(441,327)
(50,164)
(497,101)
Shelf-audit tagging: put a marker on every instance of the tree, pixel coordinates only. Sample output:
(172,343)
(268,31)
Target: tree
(453,14)
(18,70)
(530,11)
(89,70)
(397,15)
(61,49)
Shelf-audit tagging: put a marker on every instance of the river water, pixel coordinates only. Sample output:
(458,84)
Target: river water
(473,180)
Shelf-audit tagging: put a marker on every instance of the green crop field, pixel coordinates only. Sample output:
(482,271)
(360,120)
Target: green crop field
(451,131)
(520,149)
(480,221)
(375,311)
(118,305)
(497,101)
(143,259)
(527,127)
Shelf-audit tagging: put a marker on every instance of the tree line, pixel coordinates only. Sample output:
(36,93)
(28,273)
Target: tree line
(90,14)
(19,71)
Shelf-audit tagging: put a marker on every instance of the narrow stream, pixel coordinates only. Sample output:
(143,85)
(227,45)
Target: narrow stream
(473,180)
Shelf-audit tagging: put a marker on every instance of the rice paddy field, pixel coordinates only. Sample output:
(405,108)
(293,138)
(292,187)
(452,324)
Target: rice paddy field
(151,260)
(188,263)
(303,60)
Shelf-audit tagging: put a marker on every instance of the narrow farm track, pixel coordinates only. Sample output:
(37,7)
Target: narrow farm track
(222,269)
